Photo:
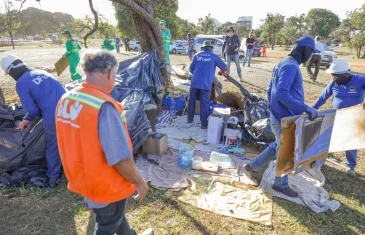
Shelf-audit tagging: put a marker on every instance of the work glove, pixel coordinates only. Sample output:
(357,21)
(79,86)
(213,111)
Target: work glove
(222,72)
(312,112)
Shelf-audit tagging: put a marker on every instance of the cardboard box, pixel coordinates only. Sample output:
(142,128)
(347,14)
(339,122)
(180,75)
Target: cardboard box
(61,65)
(214,129)
(156,145)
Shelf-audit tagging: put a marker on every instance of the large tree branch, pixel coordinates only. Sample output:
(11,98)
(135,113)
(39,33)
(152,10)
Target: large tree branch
(95,25)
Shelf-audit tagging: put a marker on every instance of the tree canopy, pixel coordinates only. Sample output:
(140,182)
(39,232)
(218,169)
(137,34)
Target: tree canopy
(322,22)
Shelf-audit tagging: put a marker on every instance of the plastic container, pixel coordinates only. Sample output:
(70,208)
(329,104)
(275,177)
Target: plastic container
(221,159)
(197,162)
(180,102)
(185,156)
(173,105)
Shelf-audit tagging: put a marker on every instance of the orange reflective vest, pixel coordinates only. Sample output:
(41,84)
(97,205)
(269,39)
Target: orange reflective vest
(82,156)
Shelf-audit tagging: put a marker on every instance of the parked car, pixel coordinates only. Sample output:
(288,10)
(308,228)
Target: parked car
(182,47)
(173,48)
(257,49)
(329,57)
(135,45)
(217,46)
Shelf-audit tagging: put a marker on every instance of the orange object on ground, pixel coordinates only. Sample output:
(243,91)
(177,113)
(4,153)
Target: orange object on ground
(82,156)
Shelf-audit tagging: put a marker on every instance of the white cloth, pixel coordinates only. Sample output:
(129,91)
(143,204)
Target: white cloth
(320,47)
(308,184)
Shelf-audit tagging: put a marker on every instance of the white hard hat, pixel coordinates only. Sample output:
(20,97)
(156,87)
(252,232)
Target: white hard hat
(339,66)
(7,61)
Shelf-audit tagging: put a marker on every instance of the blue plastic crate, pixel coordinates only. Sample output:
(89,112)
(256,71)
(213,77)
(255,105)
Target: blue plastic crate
(179,102)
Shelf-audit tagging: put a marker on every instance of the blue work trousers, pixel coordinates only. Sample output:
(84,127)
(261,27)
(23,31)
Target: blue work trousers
(270,153)
(204,97)
(248,56)
(351,158)
(236,59)
(52,154)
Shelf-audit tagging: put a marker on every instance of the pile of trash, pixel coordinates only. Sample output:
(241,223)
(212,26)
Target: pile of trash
(22,152)
(256,129)
(139,84)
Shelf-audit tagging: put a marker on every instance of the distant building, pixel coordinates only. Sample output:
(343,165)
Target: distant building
(245,21)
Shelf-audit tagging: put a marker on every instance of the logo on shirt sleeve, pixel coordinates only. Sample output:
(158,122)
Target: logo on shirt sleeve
(352,89)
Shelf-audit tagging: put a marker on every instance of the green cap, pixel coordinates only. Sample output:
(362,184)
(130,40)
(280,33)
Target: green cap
(67,32)
(162,22)
(207,44)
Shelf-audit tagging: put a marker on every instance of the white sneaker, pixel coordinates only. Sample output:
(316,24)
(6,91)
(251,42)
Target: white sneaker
(148,232)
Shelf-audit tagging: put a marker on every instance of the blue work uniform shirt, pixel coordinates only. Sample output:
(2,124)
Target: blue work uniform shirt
(285,92)
(346,95)
(39,93)
(203,69)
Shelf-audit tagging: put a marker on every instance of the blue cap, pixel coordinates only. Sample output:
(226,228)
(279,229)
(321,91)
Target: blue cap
(307,41)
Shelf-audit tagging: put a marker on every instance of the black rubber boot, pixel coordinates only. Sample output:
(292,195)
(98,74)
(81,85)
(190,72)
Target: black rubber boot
(286,191)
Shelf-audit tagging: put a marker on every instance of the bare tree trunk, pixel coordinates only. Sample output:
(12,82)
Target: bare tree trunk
(96,24)
(12,40)
(147,28)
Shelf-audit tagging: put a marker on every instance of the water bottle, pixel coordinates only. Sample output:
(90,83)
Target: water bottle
(222,159)
(172,105)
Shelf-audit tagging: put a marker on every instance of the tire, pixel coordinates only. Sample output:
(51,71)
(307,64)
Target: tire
(174,51)
(328,66)
(259,55)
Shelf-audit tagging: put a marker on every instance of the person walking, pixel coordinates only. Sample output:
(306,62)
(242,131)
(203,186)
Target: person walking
(264,50)
(117,44)
(316,60)
(166,37)
(95,147)
(73,54)
(286,98)
(347,89)
(249,49)
(231,46)
(203,70)
(191,45)
(39,93)
(126,44)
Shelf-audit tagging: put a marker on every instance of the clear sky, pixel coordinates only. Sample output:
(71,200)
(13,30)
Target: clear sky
(225,10)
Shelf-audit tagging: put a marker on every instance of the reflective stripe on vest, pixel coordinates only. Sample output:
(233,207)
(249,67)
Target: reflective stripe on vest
(90,100)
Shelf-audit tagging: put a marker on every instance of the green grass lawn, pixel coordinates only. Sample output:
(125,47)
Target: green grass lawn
(39,211)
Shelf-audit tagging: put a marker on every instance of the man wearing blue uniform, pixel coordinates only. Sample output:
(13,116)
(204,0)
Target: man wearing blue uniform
(203,70)
(117,44)
(347,90)
(39,94)
(286,97)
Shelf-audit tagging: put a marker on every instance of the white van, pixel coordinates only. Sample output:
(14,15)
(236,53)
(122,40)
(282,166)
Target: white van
(222,37)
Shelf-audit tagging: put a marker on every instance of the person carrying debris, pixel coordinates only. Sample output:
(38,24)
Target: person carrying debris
(286,98)
(39,93)
(347,90)
(107,45)
(232,44)
(316,60)
(95,147)
(166,37)
(72,52)
(191,46)
(203,70)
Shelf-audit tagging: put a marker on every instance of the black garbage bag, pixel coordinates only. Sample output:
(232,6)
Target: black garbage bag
(139,83)
(22,147)
(256,129)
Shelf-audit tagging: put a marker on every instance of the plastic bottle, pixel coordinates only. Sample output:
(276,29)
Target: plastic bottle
(222,159)
(173,105)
